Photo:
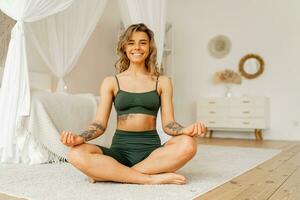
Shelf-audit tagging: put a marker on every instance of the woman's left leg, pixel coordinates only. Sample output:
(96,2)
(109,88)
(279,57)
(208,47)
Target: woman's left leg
(169,158)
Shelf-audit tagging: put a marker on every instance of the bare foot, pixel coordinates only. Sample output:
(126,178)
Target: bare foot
(168,178)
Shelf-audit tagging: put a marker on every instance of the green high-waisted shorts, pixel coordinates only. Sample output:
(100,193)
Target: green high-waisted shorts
(131,147)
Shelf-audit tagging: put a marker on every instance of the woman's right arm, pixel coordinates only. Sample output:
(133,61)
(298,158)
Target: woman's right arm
(99,125)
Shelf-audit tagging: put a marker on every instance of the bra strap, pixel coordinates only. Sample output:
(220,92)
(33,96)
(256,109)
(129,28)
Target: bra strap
(117,82)
(156,82)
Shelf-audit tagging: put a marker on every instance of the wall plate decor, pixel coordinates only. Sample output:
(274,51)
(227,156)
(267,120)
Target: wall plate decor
(219,46)
(251,66)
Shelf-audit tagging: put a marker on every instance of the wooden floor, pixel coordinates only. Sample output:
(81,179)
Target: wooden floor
(275,179)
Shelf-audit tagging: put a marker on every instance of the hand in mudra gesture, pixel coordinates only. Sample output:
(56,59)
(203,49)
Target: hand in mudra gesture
(196,129)
(70,139)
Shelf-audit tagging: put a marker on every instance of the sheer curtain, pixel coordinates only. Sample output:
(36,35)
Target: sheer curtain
(153,14)
(60,38)
(15,101)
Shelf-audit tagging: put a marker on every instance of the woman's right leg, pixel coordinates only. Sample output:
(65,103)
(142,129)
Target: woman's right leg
(90,160)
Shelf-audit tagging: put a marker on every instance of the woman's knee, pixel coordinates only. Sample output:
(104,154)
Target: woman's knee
(187,146)
(75,155)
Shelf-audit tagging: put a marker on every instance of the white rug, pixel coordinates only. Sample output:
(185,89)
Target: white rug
(211,167)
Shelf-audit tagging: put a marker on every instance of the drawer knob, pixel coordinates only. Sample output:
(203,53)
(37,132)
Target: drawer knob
(246,101)
(211,102)
(211,122)
(212,112)
(246,122)
(246,112)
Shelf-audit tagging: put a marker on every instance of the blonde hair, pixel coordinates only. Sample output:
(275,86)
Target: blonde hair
(123,62)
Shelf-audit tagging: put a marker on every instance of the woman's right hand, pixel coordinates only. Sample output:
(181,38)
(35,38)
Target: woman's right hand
(70,139)
(196,129)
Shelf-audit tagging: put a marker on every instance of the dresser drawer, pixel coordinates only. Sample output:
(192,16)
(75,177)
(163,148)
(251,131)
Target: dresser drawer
(247,112)
(213,102)
(212,112)
(214,122)
(248,123)
(248,101)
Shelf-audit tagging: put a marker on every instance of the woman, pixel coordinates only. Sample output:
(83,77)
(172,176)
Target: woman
(136,154)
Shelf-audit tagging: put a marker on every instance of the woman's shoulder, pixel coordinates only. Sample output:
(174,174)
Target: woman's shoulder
(109,82)
(164,83)
(109,79)
(164,78)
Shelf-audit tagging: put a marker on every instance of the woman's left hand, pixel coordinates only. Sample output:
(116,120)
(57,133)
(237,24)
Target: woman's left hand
(196,129)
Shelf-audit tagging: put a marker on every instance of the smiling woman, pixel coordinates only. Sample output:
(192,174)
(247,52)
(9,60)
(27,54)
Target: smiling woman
(138,91)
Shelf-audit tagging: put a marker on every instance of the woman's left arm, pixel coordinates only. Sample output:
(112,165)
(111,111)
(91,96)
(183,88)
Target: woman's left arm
(170,126)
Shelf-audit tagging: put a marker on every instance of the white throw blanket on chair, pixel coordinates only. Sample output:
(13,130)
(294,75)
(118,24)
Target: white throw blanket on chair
(51,113)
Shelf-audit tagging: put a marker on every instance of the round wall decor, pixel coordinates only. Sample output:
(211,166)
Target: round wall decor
(219,46)
(251,66)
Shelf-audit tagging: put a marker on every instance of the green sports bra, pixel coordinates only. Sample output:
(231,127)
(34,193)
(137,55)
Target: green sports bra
(132,102)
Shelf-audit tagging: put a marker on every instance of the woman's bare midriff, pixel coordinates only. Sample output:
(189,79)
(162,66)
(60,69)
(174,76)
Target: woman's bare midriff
(136,122)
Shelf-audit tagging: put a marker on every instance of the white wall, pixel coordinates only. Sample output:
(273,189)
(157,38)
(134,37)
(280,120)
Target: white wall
(269,28)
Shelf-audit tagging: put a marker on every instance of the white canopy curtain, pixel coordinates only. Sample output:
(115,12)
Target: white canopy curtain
(150,12)
(60,38)
(15,101)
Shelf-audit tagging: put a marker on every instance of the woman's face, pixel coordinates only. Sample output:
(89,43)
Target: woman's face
(137,48)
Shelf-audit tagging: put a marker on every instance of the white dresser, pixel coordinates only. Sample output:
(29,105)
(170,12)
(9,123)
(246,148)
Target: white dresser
(234,114)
